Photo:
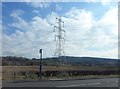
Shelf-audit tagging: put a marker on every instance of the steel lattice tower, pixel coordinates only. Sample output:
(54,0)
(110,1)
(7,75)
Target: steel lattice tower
(59,38)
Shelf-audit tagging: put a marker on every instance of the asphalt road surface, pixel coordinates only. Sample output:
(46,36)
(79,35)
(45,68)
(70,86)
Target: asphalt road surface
(107,82)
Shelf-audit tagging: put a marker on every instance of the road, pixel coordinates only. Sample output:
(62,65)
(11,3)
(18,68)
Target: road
(107,82)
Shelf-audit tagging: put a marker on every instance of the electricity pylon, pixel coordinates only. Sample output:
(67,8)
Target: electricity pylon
(59,38)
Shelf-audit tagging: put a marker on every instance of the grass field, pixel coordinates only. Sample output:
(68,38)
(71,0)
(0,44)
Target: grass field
(23,72)
(53,68)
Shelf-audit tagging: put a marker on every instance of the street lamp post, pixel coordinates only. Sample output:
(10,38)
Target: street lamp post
(40,64)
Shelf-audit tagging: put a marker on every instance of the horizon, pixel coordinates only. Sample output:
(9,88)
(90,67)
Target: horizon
(65,56)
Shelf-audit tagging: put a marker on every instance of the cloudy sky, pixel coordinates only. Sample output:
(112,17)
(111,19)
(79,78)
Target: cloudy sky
(91,28)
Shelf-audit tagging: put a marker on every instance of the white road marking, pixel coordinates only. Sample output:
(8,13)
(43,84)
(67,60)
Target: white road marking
(93,83)
(72,85)
(79,85)
(55,79)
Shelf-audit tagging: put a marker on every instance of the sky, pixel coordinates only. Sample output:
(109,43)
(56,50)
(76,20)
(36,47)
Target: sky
(91,28)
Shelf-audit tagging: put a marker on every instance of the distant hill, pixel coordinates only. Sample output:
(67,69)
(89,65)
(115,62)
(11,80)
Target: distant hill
(68,60)
(92,61)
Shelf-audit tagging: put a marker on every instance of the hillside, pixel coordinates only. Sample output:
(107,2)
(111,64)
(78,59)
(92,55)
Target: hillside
(92,61)
(83,61)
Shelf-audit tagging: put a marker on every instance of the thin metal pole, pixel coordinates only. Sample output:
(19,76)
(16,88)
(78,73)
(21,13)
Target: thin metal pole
(40,65)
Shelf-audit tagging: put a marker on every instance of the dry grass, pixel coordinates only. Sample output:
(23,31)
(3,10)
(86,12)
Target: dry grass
(52,68)
(8,71)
